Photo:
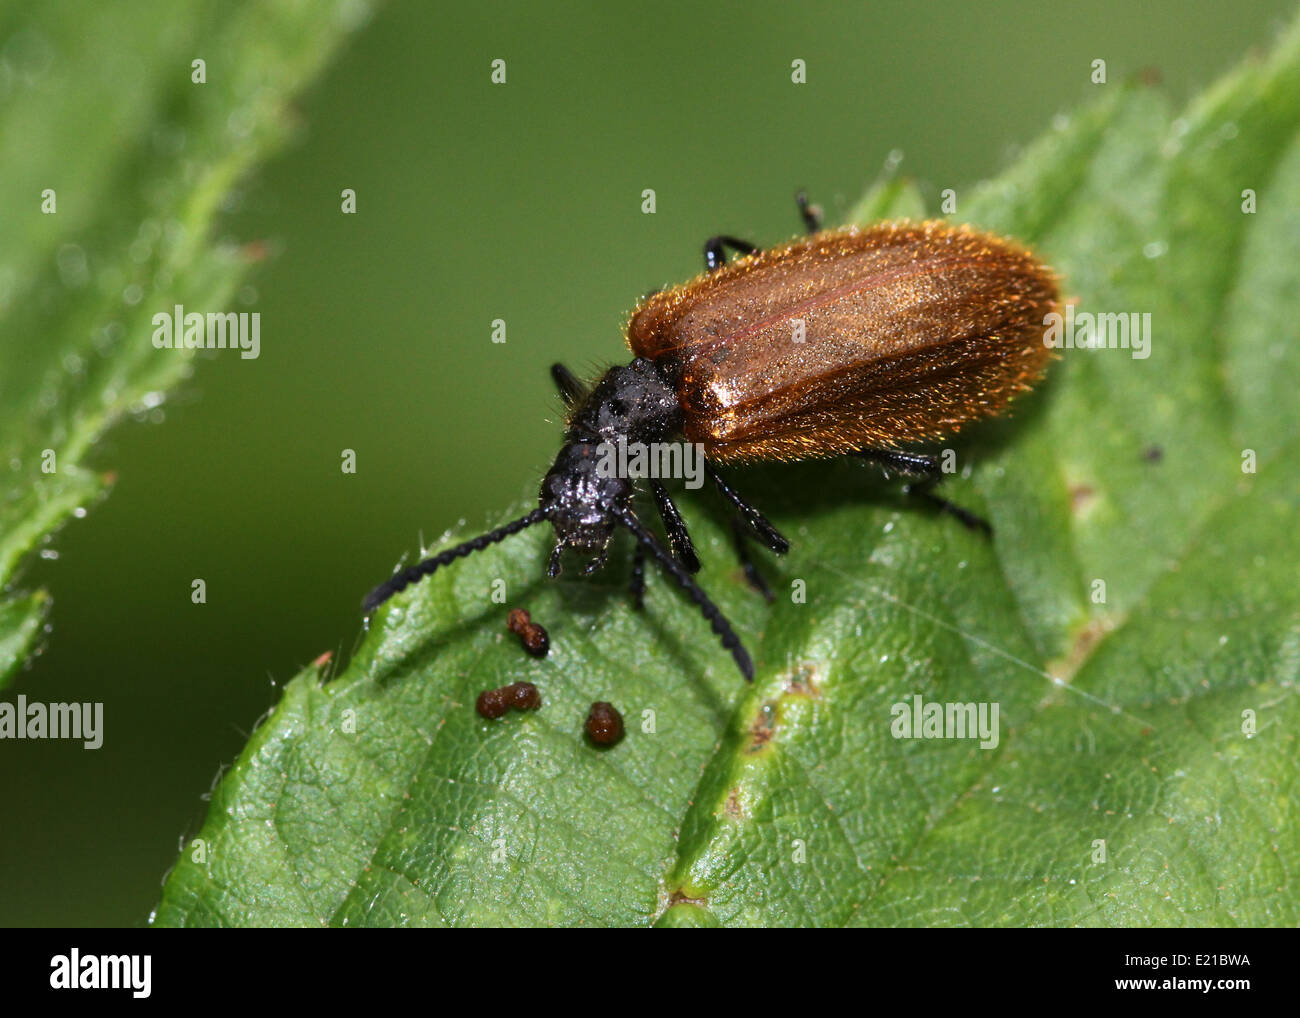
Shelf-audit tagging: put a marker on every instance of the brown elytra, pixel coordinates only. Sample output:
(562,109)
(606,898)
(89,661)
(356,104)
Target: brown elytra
(852,338)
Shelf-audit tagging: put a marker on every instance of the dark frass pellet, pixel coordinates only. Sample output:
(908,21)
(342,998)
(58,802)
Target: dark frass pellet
(604,724)
(492,703)
(524,696)
(531,634)
(854,342)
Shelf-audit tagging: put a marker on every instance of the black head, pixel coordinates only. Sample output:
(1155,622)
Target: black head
(583,494)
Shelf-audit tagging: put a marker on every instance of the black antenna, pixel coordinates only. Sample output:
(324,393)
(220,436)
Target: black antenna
(572,391)
(401,580)
(710,610)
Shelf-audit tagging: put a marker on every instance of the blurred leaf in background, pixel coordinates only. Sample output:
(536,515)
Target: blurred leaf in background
(1146,753)
(124,128)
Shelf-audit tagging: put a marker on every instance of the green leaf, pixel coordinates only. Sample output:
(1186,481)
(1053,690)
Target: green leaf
(1127,785)
(98,106)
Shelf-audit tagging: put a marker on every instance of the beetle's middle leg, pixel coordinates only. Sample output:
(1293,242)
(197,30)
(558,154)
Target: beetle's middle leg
(679,538)
(679,541)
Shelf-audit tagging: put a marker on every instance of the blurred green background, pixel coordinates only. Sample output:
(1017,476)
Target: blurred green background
(475,202)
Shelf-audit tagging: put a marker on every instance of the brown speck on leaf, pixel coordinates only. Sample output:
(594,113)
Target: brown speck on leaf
(1081,496)
(1085,641)
(802,681)
(763,728)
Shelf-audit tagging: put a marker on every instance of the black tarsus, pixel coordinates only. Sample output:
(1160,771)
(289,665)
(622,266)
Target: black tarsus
(914,464)
(571,389)
(810,214)
(714,255)
(404,578)
(710,611)
(741,538)
(762,528)
(637,587)
(679,538)
(926,469)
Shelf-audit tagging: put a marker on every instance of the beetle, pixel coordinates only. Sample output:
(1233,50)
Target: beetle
(856,341)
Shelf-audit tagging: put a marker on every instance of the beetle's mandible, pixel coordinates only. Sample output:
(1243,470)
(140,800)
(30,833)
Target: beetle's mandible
(859,341)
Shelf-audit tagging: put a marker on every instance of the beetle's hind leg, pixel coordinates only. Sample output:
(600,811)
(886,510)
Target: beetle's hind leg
(971,521)
(928,474)
(913,464)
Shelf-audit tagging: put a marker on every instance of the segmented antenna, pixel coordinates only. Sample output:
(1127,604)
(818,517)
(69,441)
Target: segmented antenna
(710,610)
(401,580)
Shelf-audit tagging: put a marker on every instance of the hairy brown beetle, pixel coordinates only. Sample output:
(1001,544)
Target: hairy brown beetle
(852,341)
